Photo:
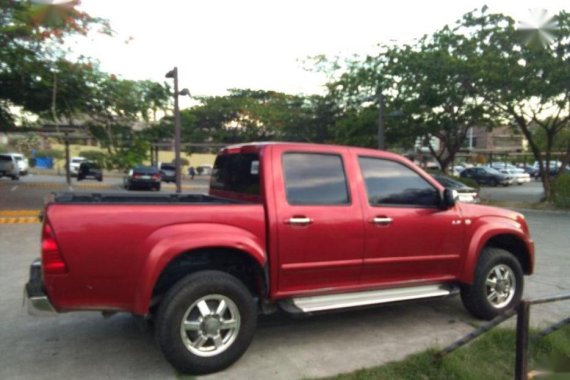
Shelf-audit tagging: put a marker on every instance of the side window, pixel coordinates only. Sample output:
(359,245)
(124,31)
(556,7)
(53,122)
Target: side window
(314,179)
(391,183)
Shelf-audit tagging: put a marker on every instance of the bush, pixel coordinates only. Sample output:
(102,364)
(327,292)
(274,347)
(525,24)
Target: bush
(561,191)
(94,155)
(53,153)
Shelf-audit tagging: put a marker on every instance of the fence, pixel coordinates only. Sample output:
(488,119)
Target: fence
(523,318)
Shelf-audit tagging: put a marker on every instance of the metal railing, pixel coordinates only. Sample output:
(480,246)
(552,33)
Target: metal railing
(523,318)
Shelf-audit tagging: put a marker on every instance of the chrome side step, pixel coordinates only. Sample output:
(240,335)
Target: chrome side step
(373,297)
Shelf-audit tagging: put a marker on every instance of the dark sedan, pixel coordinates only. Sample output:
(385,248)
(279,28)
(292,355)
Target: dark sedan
(143,177)
(487,176)
(89,169)
(465,193)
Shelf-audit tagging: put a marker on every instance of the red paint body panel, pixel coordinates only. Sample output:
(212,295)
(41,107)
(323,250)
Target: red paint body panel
(116,252)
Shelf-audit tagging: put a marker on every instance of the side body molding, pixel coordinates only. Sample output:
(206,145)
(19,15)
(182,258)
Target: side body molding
(167,243)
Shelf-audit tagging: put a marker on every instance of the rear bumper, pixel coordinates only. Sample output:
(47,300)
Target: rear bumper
(36,300)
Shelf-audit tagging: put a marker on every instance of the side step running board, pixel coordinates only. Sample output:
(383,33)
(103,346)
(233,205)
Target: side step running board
(354,299)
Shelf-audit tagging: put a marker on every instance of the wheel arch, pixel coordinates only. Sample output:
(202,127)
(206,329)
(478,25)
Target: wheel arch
(508,238)
(175,251)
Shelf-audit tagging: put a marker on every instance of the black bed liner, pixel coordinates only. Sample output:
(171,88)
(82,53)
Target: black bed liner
(120,198)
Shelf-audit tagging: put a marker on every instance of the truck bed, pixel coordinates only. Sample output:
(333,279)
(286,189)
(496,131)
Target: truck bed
(122,198)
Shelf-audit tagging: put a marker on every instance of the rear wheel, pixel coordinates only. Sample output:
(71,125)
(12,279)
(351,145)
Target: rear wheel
(15,177)
(497,287)
(205,322)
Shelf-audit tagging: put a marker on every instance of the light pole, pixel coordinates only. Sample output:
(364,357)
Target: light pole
(174,75)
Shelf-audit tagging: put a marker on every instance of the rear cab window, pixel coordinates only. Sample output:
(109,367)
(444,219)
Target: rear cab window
(236,175)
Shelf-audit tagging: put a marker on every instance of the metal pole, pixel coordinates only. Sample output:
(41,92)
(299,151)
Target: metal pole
(177,134)
(67,174)
(381,112)
(521,360)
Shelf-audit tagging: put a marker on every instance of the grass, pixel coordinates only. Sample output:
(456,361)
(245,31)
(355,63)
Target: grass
(489,357)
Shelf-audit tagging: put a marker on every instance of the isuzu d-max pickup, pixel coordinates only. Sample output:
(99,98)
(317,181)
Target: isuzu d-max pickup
(301,227)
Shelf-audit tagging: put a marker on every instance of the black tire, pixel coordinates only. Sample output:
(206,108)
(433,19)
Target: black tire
(157,188)
(100,179)
(15,177)
(494,182)
(183,297)
(475,297)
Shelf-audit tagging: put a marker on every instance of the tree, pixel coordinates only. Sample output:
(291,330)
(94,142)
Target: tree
(30,35)
(527,85)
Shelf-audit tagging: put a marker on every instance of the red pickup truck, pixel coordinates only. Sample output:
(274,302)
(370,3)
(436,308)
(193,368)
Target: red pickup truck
(303,227)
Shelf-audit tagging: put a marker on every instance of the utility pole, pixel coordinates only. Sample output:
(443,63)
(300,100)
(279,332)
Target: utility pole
(381,112)
(174,75)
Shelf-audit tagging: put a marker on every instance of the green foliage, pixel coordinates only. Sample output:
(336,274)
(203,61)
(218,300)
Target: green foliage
(95,155)
(489,357)
(53,153)
(561,191)
(26,144)
(30,36)
(127,156)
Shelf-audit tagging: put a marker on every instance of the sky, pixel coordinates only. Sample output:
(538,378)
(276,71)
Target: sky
(262,44)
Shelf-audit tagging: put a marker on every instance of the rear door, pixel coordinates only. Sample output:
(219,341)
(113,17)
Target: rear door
(320,233)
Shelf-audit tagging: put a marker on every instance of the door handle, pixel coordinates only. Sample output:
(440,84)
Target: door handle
(382,220)
(299,220)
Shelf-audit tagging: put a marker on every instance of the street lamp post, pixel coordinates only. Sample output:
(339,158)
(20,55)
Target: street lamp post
(174,75)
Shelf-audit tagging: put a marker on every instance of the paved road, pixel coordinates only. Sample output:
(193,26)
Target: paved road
(84,345)
(528,192)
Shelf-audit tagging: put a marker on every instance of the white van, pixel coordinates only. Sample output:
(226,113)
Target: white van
(22,161)
(9,166)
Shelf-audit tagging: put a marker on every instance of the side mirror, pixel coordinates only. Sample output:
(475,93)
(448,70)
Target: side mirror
(448,199)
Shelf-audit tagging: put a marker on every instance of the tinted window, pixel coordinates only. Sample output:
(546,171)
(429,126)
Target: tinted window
(314,179)
(5,158)
(145,170)
(167,167)
(238,173)
(391,183)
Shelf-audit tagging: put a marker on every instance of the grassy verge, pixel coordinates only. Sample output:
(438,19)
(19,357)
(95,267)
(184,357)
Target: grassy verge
(489,357)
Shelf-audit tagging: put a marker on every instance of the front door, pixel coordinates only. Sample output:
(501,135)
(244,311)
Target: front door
(408,238)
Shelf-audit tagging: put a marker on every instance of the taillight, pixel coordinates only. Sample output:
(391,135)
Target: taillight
(52,261)
(136,176)
(156,176)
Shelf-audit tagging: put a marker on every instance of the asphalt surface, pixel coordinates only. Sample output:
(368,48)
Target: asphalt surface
(85,345)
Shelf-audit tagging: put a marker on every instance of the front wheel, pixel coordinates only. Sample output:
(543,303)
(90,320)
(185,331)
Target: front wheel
(206,322)
(497,287)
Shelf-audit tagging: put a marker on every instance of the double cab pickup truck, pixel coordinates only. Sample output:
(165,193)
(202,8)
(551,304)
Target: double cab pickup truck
(300,227)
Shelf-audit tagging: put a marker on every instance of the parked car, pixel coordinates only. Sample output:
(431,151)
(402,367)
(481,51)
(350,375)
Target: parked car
(9,166)
(22,162)
(90,169)
(143,177)
(465,193)
(487,176)
(168,172)
(205,169)
(518,175)
(302,227)
(74,163)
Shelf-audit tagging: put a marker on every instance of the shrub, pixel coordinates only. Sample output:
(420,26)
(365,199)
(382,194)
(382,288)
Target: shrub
(561,191)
